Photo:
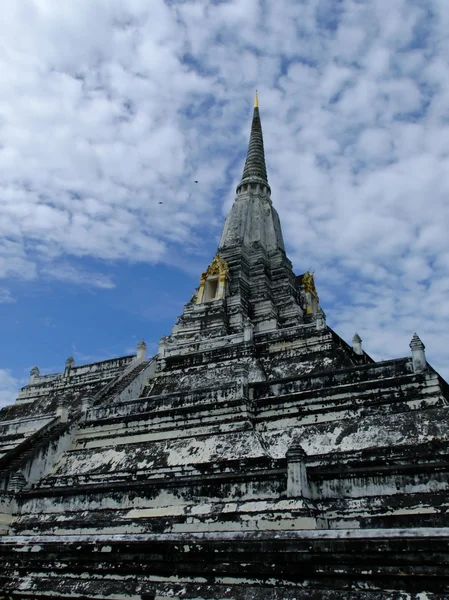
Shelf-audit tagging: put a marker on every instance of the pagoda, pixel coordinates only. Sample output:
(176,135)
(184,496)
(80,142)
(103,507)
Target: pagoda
(256,456)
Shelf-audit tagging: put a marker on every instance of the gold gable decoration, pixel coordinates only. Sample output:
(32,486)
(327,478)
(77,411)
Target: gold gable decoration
(308,282)
(217,267)
(217,272)
(312,299)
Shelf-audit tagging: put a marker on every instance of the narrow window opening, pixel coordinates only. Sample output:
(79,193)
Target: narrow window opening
(210,289)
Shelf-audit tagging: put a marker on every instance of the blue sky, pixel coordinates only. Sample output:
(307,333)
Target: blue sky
(110,108)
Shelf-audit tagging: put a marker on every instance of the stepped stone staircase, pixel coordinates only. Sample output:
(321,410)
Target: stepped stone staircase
(113,389)
(20,458)
(27,451)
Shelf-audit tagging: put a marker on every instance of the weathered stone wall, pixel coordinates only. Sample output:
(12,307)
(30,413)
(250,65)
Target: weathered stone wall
(201,442)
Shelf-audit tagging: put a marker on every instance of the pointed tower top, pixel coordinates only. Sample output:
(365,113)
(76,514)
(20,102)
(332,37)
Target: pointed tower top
(252,219)
(141,350)
(416,342)
(255,170)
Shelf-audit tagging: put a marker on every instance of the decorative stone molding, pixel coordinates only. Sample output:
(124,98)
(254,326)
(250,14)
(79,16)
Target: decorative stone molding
(418,354)
(297,482)
(213,281)
(357,344)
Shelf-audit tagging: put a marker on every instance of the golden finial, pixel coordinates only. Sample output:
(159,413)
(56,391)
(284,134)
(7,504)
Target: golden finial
(256,101)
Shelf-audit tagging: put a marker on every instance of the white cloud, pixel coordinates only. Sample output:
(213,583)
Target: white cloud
(104,115)
(5,296)
(69,274)
(9,387)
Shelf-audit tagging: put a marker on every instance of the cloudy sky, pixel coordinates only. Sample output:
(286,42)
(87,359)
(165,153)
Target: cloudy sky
(111,107)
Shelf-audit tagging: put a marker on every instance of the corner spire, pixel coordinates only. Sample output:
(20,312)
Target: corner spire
(255,169)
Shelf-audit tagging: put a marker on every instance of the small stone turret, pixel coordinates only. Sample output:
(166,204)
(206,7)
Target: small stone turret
(162,346)
(357,344)
(69,364)
(297,482)
(34,374)
(248,331)
(86,403)
(320,319)
(141,351)
(63,413)
(418,354)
